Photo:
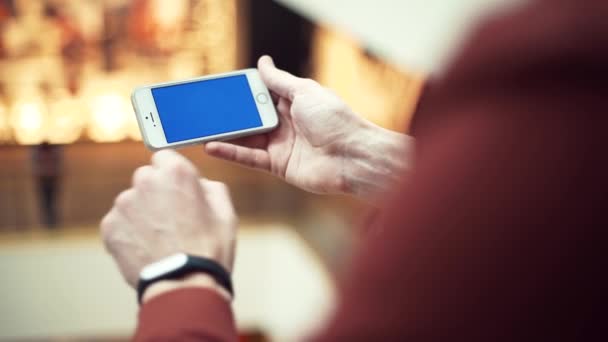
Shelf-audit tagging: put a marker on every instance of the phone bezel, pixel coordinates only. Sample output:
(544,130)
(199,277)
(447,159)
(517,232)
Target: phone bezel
(152,130)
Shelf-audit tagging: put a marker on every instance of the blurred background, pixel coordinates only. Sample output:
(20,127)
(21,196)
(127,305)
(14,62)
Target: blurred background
(69,143)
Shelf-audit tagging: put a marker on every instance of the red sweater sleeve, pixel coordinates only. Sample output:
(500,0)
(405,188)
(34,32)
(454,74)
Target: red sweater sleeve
(189,314)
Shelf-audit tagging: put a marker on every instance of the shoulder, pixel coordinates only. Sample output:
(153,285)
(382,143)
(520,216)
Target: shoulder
(541,39)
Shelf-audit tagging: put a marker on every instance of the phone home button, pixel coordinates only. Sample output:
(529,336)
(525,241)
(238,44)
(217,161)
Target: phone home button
(262,98)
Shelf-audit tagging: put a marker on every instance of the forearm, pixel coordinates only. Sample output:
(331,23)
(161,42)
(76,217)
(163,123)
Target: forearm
(375,160)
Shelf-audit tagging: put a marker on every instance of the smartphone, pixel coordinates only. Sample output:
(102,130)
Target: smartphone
(216,107)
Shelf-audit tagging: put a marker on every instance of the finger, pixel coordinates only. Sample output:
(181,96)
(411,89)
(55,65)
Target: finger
(246,156)
(164,158)
(278,81)
(106,227)
(143,176)
(218,197)
(218,194)
(250,142)
(108,222)
(253,141)
(284,107)
(275,97)
(173,162)
(125,201)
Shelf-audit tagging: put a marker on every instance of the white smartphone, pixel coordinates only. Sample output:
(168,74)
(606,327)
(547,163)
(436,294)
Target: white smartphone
(216,107)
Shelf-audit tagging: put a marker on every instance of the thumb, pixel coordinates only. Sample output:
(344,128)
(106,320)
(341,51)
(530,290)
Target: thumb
(279,81)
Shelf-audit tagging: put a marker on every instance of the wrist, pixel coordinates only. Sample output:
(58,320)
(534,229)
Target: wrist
(374,159)
(196,280)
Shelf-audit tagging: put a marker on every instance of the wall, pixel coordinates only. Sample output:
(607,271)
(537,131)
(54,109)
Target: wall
(416,34)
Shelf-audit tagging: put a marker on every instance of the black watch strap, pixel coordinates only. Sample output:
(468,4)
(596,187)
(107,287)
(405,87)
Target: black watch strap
(193,264)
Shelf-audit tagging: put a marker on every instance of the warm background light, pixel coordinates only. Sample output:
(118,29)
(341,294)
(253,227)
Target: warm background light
(28,119)
(169,14)
(108,118)
(214,33)
(88,55)
(67,118)
(5,130)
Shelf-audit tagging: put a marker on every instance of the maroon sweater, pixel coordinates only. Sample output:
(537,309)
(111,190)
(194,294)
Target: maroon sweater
(496,236)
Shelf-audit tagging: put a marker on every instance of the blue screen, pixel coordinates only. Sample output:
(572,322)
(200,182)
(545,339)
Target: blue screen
(203,108)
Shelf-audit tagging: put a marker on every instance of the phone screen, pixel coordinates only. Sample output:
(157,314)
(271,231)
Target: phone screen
(204,108)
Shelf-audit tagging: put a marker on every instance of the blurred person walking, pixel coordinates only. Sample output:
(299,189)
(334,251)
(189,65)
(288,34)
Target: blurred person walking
(47,162)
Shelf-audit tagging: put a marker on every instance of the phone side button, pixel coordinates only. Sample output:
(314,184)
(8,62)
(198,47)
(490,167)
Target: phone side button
(262,98)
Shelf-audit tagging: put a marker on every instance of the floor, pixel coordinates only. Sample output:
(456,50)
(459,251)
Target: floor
(63,286)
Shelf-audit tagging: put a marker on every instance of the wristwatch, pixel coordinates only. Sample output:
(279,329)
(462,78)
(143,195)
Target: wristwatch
(179,265)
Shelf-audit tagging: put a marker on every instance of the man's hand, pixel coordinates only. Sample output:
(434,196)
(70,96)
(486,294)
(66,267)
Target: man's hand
(169,209)
(321,145)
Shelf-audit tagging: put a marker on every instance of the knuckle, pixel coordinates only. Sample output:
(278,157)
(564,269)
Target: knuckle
(182,168)
(106,228)
(124,200)
(222,186)
(232,217)
(330,92)
(309,83)
(143,176)
(105,225)
(161,155)
(219,186)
